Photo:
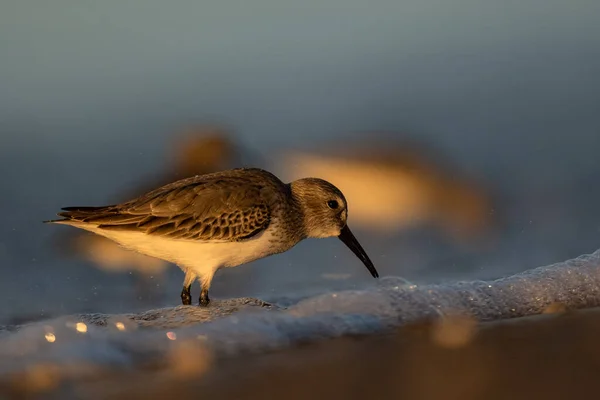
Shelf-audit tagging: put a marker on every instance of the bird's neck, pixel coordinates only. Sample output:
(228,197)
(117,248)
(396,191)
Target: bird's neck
(295,215)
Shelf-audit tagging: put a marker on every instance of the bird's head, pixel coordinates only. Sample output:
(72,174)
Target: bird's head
(325,214)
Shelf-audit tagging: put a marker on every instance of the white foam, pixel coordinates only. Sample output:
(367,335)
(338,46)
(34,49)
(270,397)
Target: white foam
(389,302)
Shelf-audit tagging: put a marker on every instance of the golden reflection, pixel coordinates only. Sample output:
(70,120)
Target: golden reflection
(189,359)
(454,331)
(81,327)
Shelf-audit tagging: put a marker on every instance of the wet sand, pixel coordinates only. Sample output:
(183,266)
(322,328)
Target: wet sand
(554,356)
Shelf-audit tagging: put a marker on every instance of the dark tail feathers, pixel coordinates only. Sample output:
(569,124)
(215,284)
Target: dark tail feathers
(78,213)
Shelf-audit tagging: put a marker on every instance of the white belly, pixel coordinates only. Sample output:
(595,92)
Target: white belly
(198,256)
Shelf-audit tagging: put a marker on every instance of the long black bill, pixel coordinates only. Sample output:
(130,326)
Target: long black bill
(349,240)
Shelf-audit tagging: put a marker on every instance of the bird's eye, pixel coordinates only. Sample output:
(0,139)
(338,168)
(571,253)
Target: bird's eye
(333,204)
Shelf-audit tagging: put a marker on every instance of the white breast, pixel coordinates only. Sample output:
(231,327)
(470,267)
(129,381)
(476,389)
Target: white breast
(193,254)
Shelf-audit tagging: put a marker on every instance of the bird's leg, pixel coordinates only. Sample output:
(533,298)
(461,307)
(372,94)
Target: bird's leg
(205,281)
(204,299)
(186,296)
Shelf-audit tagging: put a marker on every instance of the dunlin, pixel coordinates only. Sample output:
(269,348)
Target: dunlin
(223,219)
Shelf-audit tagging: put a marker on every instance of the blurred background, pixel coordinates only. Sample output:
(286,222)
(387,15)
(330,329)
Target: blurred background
(465,135)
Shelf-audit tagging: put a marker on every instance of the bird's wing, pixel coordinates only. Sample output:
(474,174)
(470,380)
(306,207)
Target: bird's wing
(203,208)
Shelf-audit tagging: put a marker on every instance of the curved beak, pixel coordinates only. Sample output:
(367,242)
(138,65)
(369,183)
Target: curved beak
(349,240)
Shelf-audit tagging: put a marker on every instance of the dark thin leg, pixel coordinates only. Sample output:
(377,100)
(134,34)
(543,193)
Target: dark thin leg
(186,297)
(204,300)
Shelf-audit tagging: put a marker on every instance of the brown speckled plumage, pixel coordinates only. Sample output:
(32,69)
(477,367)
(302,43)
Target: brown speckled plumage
(230,208)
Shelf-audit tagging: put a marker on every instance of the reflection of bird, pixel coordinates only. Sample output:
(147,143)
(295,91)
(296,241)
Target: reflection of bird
(224,219)
(199,151)
(391,189)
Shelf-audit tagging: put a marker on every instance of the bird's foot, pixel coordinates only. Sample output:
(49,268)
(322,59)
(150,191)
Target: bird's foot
(186,297)
(204,300)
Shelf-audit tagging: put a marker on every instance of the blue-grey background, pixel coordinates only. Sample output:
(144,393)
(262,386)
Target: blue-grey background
(90,93)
